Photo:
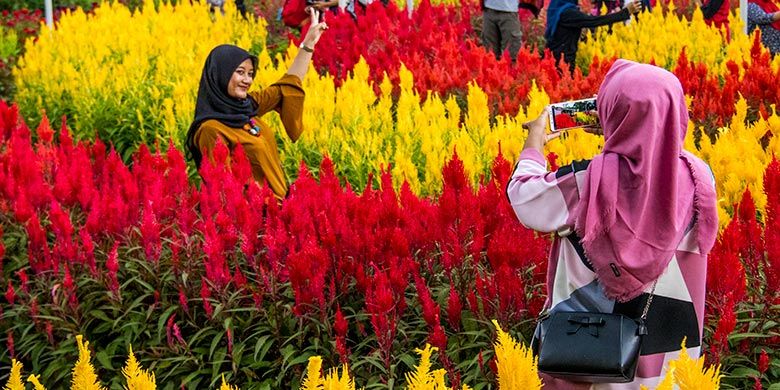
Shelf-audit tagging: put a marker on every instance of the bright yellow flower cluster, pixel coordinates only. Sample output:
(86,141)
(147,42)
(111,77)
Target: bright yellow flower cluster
(332,381)
(423,378)
(516,371)
(516,364)
(687,373)
(84,377)
(361,136)
(738,159)
(136,73)
(662,37)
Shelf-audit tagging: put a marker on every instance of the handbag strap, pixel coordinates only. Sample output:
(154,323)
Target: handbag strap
(649,301)
(546,310)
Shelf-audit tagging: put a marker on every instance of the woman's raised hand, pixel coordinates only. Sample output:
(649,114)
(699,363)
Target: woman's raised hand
(315,28)
(634,6)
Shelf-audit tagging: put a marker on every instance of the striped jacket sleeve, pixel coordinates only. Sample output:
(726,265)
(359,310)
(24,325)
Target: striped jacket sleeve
(542,200)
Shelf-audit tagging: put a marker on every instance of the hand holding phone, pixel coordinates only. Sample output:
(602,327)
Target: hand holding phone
(574,115)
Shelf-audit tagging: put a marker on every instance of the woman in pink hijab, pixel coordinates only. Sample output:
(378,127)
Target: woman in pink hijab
(641,211)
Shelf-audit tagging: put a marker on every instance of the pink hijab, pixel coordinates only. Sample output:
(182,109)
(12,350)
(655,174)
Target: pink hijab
(642,192)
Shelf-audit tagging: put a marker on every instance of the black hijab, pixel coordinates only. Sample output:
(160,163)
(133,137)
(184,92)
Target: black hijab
(213,100)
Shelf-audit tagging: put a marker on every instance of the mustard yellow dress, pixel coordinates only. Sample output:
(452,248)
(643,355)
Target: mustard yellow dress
(285,97)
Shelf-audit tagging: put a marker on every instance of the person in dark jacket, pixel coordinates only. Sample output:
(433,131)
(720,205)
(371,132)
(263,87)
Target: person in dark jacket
(565,22)
(716,13)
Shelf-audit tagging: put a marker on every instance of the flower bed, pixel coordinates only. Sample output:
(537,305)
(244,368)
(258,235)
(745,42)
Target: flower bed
(396,233)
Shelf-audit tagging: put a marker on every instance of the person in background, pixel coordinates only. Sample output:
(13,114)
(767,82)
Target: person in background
(326,5)
(565,22)
(638,219)
(716,13)
(501,27)
(765,15)
(227,111)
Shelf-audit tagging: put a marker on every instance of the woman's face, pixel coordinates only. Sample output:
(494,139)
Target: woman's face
(241,80)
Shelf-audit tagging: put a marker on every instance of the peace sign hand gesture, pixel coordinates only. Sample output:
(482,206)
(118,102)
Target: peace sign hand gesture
(315,29)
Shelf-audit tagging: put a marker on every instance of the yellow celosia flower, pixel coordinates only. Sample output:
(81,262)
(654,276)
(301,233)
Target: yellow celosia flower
(690,374)
(662,36)
(226,386)
(36,382)
(313,379)
(15,379)
(516,364)
(84,377)
(335,382)
(422,377)
(136,377)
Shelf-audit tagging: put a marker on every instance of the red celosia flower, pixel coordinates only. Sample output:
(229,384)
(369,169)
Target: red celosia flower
(763,362)
(772,229)
(34,310)
(23,210)
(340,323)
(88,251)
(757,385)
(10,294)
(183,301)
(169,330)
(205,295)
(45,132)
(430,310)
(340,327)
(229,335)
(50,332)
(238,278)
(10,344)
(37,246)
(112,266)
(150,233)
(23,279)
(2,248)
(438,338)
(177,334)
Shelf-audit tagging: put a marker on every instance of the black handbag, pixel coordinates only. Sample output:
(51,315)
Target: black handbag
(590,347)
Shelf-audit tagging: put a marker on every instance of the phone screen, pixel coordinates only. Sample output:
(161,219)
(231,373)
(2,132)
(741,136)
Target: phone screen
(573,114)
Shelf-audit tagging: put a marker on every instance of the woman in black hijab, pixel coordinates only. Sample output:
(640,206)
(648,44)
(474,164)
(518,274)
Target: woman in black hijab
(226,110)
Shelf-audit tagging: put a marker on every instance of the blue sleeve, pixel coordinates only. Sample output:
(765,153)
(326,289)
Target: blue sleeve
(756,15)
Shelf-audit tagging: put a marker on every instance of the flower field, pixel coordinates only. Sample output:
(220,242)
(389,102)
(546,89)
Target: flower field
(397,232)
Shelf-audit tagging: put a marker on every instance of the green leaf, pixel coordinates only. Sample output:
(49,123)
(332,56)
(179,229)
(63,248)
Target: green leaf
(262,346)
(741,336)
(214,344)
(103,358)
(744,372)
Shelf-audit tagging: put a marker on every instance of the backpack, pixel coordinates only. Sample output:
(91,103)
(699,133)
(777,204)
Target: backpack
(294,13)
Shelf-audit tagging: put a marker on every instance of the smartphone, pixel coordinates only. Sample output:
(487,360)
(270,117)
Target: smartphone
(574,114)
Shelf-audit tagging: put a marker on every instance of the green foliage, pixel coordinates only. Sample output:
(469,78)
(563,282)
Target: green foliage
(270,344)
(9,44)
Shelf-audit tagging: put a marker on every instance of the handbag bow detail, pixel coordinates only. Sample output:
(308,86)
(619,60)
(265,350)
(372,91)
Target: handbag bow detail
(592,323)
